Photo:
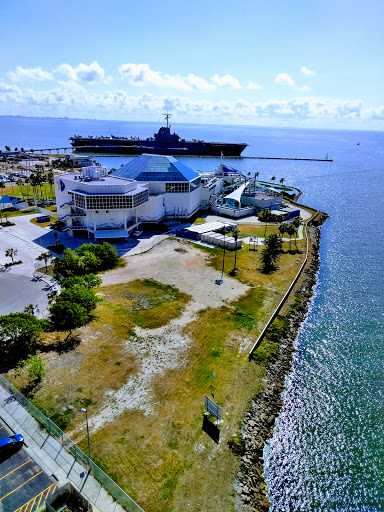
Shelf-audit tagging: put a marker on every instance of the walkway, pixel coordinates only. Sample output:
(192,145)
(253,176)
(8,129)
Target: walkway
(51,457)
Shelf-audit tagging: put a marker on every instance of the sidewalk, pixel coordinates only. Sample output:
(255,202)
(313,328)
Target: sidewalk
(51,456)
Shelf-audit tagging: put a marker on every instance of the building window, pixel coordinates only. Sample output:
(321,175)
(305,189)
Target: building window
(177,188)
(194,184)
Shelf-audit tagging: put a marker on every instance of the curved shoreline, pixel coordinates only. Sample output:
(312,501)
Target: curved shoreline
(258,423)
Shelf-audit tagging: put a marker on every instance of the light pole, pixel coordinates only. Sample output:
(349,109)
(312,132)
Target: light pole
(89,444)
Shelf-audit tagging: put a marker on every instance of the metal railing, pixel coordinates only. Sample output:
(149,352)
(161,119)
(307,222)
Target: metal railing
(294,281)
(109,485)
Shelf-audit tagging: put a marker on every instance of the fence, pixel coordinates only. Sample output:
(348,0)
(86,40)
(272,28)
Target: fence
(109,485)
(146,247)
(261,336)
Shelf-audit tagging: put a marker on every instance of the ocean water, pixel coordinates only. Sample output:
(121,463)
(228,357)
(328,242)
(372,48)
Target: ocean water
(327,453)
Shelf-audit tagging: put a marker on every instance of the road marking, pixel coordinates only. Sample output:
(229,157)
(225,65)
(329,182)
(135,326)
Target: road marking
(34,476)
(16,468)
(24,508)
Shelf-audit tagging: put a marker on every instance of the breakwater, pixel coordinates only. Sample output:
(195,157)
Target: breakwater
(259,421)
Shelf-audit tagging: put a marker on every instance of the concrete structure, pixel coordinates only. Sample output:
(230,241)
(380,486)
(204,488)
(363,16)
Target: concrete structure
(99,206)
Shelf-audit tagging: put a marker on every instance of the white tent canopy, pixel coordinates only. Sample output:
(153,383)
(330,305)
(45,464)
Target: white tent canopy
(236,194)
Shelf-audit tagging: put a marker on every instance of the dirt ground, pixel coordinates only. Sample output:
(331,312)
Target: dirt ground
(159,350)
(181,265)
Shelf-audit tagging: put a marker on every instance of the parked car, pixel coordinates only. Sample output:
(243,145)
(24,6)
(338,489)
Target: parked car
(3,178)
(11,444)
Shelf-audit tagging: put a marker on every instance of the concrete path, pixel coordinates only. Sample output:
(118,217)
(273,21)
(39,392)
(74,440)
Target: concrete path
(52,458)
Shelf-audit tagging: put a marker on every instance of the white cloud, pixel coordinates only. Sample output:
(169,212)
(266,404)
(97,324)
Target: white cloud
(21,74)
(142,74)
(304,88)
(284,79)
(254,86)
(227,81)
(72,99)
(200,83)
(82,72)
(307,71)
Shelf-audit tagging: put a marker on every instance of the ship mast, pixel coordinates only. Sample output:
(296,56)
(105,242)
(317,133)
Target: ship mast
(167,116)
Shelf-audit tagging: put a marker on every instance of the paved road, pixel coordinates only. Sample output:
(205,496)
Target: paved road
(22,481)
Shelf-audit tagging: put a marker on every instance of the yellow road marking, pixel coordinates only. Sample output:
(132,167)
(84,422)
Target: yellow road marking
(25,507)
(16,468)
(34,476)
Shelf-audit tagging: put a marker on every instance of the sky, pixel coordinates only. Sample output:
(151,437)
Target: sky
(301,63)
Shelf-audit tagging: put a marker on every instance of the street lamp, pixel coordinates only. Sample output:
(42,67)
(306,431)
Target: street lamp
(89,444)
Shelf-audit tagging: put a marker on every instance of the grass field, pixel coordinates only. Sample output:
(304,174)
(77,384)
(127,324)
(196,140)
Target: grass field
(162,457)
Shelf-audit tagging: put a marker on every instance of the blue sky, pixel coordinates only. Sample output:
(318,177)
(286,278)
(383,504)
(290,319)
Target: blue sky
(277,62)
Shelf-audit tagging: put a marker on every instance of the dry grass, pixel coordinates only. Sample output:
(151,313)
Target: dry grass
(259,229)
(164,460)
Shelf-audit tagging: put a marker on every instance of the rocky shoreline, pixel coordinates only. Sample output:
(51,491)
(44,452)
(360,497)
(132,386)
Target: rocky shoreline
(259,422)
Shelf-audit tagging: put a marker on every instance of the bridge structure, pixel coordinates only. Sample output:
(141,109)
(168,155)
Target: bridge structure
(31,152)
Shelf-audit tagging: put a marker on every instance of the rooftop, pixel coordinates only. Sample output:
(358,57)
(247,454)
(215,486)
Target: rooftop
(152,168)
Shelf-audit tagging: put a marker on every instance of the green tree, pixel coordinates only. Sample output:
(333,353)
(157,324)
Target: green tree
(19,336)
(45,256)
(235,234)
(271,253)
(50,181)
(267,261)
(297,222)
(273,179)
(88,281)
(282,180)
(282,228)
(223,231)
(10,253)
(34,365)
(274,245)
(84,297)
(66,316)
(290,230)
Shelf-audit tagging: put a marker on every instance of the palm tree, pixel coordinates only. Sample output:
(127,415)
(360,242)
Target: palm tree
(282,180)
(223,232)
(297,222)
(235,234)
(7,148)
(290,230)
(282,229)
(19,183)
(27,181)
(10,253)
(50,180)
(45,256)
(273,179)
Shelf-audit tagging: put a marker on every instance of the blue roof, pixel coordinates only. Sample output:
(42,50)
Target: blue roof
(156,168)
(9,199)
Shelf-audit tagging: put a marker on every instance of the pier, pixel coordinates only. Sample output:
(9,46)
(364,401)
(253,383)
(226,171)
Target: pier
(69,149)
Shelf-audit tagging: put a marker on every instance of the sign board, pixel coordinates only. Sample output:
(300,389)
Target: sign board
(212,408)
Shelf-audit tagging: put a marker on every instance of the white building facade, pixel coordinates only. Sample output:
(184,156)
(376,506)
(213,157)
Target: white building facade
(95,205)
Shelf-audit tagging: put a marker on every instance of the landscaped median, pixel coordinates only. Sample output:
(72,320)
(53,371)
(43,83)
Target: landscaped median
(164,335)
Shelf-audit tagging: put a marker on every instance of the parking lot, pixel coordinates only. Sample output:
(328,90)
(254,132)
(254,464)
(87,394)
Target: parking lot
(24,487)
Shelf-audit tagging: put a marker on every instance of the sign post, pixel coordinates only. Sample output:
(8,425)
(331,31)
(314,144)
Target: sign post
(212,407)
